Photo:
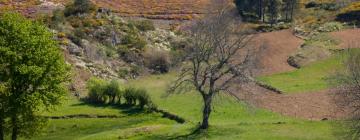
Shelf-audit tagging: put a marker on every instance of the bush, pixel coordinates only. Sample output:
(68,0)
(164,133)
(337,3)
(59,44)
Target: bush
(130,96)
(96,89)
(143,98)
(79,7)
(133,40)
(157,61)
(322,40)
(57,18)
(102,92)
(144,25)
(311,4)
(113,91)
(331,27)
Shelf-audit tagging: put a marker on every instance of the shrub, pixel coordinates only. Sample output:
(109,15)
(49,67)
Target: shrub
(79,7)
(130,96)
(96,89)
(144,25)
(331,27)
(123,73)
(133,40)
(57,18)
(140,96)
(157,61)
(311,4)
(322,40)
(113,91)
(143,98)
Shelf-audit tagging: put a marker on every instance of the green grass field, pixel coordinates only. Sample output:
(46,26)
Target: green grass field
(230,120)
(313,77)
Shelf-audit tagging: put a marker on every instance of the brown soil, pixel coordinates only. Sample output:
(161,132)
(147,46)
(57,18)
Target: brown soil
(318,105)
(347,37)
(312,106)
(278,46)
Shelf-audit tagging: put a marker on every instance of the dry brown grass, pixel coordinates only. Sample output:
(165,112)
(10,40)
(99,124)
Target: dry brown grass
(153,9)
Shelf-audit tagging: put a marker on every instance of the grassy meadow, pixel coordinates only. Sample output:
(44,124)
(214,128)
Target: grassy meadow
(313,77)
(230,119)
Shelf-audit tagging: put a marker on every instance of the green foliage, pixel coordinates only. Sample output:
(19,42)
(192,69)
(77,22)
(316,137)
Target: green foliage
(96,89)
(133,40)
(103,92)
(113,91)
(322,40)
(331,27)
(325,6)
(130,96)
(231,120)
(269,28)
(79,7)
(144,25)
(33,70)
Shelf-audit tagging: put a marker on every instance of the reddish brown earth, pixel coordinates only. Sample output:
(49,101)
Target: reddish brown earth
(152,9)
(157,9)
(313,105)
(277,47)
(347,37)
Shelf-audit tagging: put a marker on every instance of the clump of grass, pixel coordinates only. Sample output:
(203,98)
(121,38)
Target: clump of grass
(322,40)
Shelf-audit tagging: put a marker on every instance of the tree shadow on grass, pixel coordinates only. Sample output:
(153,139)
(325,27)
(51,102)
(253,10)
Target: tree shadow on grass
(123,108)
(196,133)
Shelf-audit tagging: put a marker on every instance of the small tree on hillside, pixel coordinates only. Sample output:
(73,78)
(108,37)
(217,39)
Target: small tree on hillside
(79,7)
(217,56)
(32,74)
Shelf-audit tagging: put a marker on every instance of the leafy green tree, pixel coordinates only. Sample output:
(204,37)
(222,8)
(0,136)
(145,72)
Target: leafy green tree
(33,74)
(113,90)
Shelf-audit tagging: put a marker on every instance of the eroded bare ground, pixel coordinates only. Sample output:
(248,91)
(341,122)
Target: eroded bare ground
(276,48)
(347,37)
(318,105)
(312,106)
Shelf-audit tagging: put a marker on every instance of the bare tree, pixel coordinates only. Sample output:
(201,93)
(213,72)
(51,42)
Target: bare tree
(347,95)
(218,56)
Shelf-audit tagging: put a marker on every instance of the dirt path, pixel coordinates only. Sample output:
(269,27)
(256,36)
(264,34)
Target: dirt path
(313,105)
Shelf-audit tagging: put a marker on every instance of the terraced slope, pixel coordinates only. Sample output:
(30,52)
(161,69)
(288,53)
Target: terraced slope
(156,9)
(153,9)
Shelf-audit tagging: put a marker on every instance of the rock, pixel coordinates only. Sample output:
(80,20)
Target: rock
(307,55)
(160,38)
(74,49)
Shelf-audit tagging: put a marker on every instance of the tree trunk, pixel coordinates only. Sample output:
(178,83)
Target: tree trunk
(113,99)
(293,3)
(206,111)
(15,130)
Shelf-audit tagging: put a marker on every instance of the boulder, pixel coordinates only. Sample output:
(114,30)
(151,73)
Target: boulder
(307,55)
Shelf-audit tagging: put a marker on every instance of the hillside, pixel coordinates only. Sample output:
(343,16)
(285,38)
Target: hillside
(261,74)
(154,9)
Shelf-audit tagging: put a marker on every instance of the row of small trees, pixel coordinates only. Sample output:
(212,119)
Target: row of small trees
(103,92)
(267,10)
